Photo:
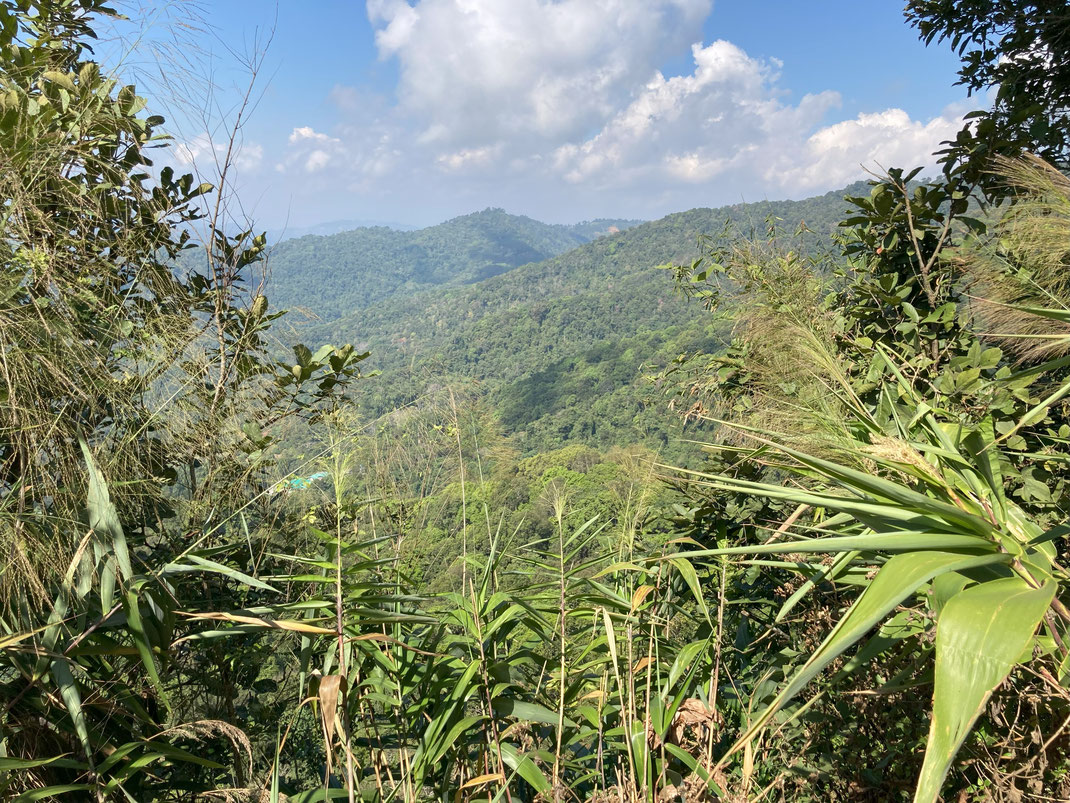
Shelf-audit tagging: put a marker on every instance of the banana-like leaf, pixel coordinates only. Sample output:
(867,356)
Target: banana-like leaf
(898,579)
(981,635)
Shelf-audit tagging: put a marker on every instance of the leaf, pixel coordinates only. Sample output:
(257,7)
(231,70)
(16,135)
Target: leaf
(330,686)
(446,742)
(687,571)
(103,518)
(7,763)
(640,594)
(141,641)
(872,542)
(204,564)
(692,764)
(72,698)
(529,712)
(684,660)
(524,767)
(900,577)
(9,641)
(274,624)
(479,780)
(52,791)
(981,635)
(825,574)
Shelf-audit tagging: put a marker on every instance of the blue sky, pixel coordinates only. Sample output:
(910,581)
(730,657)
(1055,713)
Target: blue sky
(415,111)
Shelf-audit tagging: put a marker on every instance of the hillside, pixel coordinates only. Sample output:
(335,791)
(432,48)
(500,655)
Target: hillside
(340,273)
(559,345)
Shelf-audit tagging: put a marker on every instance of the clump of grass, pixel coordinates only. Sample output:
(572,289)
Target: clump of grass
(1023,266)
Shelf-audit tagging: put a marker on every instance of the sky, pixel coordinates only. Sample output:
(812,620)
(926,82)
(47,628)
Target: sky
(415,111)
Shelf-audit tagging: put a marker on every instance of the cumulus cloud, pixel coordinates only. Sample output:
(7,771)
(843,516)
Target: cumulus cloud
(728,115)
(690,127)
(467,157)
(357,155)
(306,133)
(477,72)
(836,154)
(546,100)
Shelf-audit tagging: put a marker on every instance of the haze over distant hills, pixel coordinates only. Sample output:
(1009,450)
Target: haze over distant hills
(338,226)
(342,273)
(555,323)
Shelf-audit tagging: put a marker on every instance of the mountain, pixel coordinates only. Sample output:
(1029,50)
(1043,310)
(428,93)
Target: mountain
(338,226)
(559,345)
(338,274)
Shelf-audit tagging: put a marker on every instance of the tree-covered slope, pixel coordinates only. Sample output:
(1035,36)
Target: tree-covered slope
(338,274)
(559,345)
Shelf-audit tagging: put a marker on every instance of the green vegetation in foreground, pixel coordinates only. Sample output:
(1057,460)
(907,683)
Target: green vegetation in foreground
(860,593)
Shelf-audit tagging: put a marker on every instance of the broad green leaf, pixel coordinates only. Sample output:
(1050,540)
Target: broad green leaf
(446,742)
(692,764)
(524,767)
(687,571)
(879,515)
(528,712)
(141,641)
(7,764)
(872,542)
(203,564)
(46,792)
(981,634)
(898,579)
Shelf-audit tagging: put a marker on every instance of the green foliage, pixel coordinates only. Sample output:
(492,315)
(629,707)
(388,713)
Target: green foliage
(560,347)
(489,593)
(122,378)
(1018,48)
(339,275)
(919,487)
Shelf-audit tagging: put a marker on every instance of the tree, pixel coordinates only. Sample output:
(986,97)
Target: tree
(119,372)
(1021,50)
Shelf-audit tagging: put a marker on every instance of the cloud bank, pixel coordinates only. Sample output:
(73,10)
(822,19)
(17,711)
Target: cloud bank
(552,107)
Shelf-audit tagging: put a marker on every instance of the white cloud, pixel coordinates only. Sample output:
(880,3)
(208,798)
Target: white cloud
(306,133)
(202,152)
(480,72)
(467,157)
(555,104)
(838,153)
(691,127)
(317,160)
(354,158)
(727,115)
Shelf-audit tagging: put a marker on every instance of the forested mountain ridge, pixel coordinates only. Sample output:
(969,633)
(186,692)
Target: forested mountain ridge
(559,344)
(339,273)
